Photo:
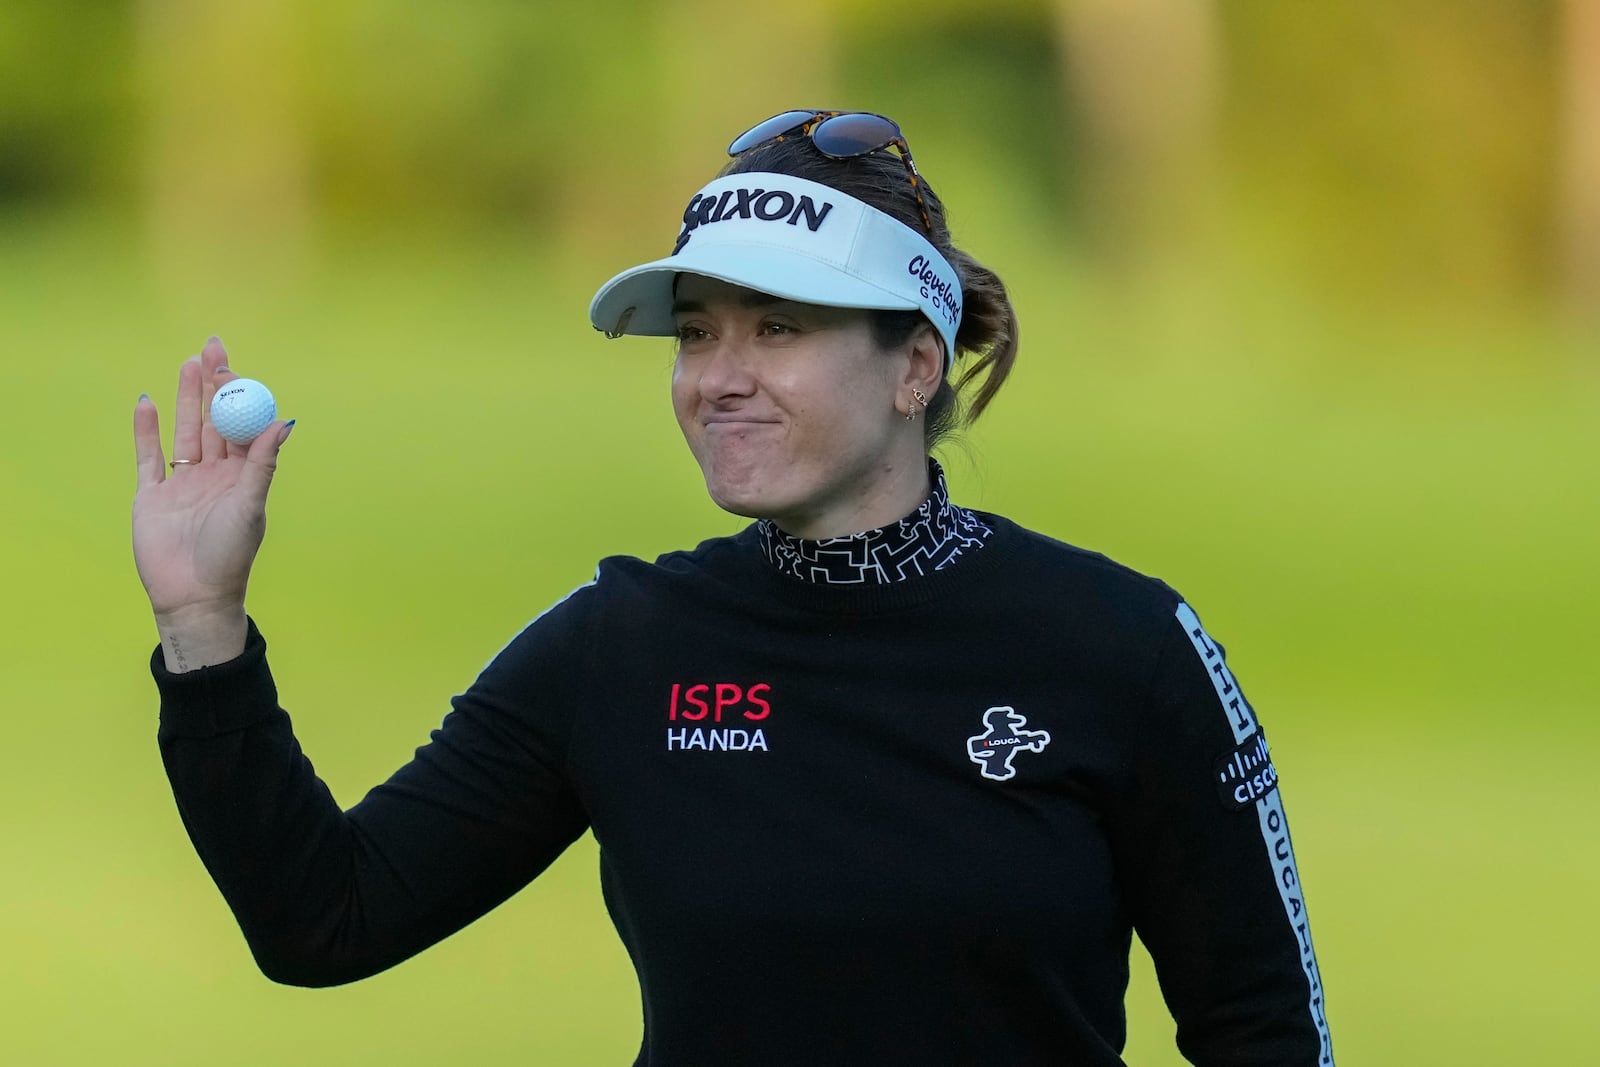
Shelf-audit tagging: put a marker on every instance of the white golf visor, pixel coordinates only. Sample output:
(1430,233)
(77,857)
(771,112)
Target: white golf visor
(790,238)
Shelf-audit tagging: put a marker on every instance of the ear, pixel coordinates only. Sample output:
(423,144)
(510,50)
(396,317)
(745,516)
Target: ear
(924,360)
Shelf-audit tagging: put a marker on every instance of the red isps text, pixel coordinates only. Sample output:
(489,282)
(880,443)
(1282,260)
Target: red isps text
(715,699)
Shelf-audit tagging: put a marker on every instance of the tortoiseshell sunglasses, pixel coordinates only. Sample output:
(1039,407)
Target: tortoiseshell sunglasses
(838,135)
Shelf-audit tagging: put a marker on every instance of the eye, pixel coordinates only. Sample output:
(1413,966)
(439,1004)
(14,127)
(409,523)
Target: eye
(688,334)
(771,328)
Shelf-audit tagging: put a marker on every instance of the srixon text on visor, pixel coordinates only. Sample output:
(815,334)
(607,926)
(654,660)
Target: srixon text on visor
(763,205)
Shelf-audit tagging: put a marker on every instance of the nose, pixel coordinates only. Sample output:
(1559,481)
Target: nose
(725,374)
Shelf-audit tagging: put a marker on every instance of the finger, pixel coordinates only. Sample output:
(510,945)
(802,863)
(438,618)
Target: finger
(261,460)
(147,443)
(186,420)
(214,373)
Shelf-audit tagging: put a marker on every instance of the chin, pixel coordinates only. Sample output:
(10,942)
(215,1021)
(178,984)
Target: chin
(749,505)
(751,497)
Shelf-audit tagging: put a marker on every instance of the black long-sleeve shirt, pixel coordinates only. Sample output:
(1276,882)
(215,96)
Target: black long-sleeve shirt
(912,823)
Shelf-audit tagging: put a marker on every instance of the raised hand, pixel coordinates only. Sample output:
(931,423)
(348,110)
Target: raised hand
(198,524)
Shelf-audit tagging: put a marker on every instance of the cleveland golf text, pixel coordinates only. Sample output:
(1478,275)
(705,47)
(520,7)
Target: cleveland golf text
(944,295)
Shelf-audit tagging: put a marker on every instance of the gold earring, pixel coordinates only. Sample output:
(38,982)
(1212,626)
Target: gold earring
(919,398)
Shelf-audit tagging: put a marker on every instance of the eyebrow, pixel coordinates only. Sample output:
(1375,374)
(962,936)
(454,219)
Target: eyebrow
(747,299)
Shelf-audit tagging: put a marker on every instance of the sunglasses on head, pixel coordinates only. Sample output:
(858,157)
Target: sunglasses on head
(837,135)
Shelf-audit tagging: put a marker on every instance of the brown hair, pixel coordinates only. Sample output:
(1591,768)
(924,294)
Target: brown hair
(988,331)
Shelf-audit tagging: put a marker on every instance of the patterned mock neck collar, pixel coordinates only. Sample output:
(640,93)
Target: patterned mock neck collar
(929,539)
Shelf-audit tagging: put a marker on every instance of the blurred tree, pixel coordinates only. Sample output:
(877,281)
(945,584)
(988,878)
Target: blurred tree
(225,149)
(1364,154)
(67,121)
(507,119)
(1394,161)
(978,92)
(1580,158)
(1144,74)
(701,72)
(434,115)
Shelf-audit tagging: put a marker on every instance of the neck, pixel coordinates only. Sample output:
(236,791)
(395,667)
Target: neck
(899,489)
(929,538)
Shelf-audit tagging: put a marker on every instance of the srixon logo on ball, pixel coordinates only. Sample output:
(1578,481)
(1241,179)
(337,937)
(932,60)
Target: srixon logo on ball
(761,205)
(711,704)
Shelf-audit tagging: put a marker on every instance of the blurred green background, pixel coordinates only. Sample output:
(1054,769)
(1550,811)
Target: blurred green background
(1310,301)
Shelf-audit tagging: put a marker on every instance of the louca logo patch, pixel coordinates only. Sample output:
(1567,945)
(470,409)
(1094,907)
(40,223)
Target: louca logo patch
(1005,734)
(762,205)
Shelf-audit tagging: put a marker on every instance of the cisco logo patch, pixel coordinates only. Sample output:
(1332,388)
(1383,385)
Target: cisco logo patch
(1247,774)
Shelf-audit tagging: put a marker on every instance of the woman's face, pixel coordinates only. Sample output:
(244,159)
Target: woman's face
(790,409)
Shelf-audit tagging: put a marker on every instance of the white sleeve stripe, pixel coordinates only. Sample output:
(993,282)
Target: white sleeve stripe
(1241,719)
(1275,833)
(575,591)
(1274,825)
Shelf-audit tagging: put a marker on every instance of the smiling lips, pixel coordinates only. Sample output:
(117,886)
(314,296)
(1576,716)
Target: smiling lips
(733,420)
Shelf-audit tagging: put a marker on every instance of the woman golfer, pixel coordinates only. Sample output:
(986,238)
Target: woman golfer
(880,779)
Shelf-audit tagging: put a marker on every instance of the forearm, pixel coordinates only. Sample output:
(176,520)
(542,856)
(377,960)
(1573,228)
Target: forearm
(201,636)
(325,896)
(318,905)
(254,830)
(268,831)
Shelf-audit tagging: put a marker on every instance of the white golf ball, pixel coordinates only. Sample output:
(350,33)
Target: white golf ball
(241,409)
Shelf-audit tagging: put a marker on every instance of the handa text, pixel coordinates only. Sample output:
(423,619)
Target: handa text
(713,740)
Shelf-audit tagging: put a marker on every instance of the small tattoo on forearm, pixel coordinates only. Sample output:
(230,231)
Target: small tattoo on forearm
(177,652)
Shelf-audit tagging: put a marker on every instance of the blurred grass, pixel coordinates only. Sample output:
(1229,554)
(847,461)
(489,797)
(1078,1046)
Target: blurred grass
(1391,524)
